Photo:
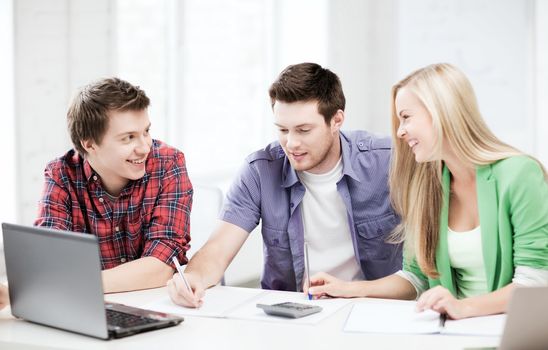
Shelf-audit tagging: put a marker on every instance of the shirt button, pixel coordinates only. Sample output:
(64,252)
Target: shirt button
(94,177)
(117,228)
(123,260)
(101,199)
(291,204)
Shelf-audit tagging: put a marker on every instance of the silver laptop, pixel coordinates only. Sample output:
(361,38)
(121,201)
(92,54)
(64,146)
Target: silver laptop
(54,279)
(527,321)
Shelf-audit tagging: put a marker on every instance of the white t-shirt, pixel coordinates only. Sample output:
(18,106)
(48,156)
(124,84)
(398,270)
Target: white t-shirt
(326,230)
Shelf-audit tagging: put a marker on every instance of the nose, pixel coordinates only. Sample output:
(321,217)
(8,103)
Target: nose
(401,132)
(144,145)
(292,141)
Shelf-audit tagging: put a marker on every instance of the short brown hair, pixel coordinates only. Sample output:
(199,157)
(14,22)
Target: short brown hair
(308,82)
(87,116)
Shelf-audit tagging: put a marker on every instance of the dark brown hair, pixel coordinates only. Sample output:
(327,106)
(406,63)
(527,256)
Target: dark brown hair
(309,82)
(87,116)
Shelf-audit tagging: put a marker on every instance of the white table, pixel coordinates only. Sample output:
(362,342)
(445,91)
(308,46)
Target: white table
(199,333)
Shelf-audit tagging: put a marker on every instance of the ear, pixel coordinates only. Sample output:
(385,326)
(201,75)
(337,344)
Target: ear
(337,120)
(88,145)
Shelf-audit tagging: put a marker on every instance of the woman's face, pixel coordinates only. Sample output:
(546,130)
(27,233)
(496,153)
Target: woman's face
(415,125)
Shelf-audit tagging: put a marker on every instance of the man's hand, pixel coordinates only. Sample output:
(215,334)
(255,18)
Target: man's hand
(179,293)
(323,284)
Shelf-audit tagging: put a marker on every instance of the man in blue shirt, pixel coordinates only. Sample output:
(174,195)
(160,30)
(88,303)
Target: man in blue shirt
(316,184)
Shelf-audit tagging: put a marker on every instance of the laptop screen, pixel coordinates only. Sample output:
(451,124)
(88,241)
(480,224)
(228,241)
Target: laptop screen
(55,278)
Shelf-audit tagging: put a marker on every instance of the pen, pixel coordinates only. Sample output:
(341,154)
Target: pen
(307,268)
(179,269)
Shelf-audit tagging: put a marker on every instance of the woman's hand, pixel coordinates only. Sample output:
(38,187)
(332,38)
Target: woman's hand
(441,300)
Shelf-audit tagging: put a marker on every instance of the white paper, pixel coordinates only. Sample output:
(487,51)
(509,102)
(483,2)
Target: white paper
(394,316)
(250,311)
(486,326)
(219,301)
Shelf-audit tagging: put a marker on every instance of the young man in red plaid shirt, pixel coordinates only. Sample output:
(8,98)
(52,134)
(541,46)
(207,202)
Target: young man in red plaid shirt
(120,185)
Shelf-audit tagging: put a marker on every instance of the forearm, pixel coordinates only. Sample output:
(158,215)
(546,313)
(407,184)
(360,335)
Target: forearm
(488,304)
(207,266)
(389,287)
(211,261)
(143,273)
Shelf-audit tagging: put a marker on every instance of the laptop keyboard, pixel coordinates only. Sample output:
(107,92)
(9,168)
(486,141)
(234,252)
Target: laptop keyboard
(125,320)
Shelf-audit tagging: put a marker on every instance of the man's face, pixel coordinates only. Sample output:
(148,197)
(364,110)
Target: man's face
(309,143)
(121,155)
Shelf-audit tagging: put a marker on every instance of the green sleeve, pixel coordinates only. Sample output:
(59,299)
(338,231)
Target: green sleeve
(528,209)
(410,265)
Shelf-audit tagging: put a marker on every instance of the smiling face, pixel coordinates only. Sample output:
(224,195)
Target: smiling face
(123,150)
(309,143)
(415,125)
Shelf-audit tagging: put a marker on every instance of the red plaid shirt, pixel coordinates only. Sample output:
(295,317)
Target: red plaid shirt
(151,217)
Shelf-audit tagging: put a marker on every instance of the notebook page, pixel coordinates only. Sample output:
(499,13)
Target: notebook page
(250,311)
(218,302)
(391,316)
(485,326)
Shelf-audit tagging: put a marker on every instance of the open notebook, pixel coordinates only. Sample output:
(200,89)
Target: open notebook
(241,303)
(400,317)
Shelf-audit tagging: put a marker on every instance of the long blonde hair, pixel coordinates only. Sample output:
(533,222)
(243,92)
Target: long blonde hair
(416,188)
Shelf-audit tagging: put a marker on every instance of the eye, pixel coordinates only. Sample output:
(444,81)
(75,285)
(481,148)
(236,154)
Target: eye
(283,131)
(127,138)
(147,132)
(304,131)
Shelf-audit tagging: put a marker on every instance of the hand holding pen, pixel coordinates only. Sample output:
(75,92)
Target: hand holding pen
(183,289)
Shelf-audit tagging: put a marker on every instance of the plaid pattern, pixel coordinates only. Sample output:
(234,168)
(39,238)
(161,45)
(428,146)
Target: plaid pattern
(151,217)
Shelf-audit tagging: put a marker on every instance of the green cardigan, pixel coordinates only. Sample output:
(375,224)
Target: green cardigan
(513,210)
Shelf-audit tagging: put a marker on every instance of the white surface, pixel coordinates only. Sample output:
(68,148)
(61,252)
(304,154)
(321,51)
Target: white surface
(249,311)
(219,333)
(218,302)
(487,325)
(400,317)
(240,303)
(392,317)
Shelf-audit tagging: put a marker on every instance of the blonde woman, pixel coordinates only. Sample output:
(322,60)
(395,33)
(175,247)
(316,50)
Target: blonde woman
(474,210)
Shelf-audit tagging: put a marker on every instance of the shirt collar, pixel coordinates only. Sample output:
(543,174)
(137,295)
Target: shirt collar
(93,178)
(290,177)
(346,157)
(88,170)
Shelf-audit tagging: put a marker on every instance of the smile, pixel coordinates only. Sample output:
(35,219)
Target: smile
(137,161)
(413,143)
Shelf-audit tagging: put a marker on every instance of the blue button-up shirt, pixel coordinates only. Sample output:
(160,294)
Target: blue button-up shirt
(269,190)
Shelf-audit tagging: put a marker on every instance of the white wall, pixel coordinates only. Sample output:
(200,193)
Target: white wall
(362,46)
(7,120)
(60,45)
(540,72)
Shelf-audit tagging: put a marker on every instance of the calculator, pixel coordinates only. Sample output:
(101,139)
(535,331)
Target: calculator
(289,309)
